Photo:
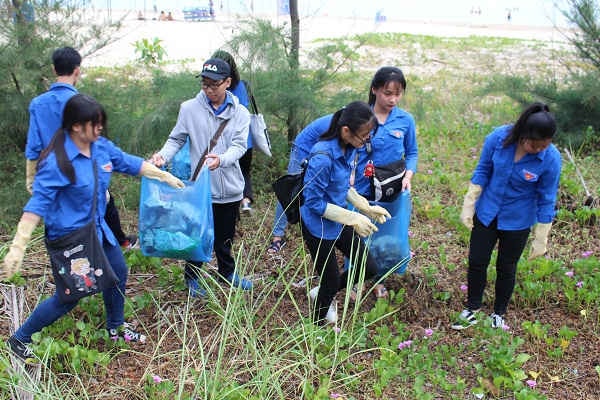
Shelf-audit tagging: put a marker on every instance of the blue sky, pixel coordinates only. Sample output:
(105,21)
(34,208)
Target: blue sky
(523,12)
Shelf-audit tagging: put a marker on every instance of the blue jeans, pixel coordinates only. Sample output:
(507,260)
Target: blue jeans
(52,309)
(294,167)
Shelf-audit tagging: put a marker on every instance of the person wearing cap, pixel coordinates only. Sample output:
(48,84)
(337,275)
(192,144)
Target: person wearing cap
(45,118)
(199,119)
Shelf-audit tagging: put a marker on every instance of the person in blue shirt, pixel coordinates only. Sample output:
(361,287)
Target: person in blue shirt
(301,147)
(326,222)
(394,138)
(513,188)
(63,195)
(45,117)
(239,89)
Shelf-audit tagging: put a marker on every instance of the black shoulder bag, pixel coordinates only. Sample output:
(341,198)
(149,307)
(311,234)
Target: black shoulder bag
(386,180)
(213,143)
(79,265)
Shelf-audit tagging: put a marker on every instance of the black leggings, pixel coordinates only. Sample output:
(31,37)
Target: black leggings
(323,254)
(510,247)
(114,221)
(246,167)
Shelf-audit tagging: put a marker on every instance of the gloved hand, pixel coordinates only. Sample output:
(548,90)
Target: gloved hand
(541,232)
(376,213)
(30,170)
(14,258)
(468,210)
(361,224)
(150,171)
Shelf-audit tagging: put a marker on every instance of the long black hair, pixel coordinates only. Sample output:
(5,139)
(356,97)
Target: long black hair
(382,77)
(80,109)
(535,123)
(354,115)
(228,58)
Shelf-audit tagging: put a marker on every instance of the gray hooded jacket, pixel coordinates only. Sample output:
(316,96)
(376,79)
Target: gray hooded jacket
(197,120)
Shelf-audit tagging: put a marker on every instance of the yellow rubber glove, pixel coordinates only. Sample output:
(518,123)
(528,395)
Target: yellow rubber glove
(468,210)
(150,171)
(361,224)
(376,213)
(14,258)
(541,232)
(30,170)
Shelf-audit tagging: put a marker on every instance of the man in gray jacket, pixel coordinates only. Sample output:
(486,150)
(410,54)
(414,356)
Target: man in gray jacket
(199,119)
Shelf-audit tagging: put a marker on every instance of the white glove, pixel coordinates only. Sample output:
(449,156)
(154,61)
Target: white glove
(541,232)
(150,171)
(30,170)
(361,224)
(376,213)
(14,258)
(468,210)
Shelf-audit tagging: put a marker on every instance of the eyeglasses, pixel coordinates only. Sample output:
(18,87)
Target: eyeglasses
(212,85)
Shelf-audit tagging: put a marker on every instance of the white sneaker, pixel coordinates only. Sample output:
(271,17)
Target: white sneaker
(497,321)
(332,315)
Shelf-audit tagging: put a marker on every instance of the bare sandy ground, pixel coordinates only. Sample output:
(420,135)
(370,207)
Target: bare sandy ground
(188,44)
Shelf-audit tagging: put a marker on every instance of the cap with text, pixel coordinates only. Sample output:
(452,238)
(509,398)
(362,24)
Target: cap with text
(215,69)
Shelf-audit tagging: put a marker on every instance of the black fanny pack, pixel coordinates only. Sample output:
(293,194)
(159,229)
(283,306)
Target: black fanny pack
(386,181)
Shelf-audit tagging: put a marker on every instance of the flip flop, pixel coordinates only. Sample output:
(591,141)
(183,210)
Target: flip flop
(275,246)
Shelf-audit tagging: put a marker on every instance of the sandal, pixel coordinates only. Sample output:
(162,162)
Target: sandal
(380,291)
(354,293)
(275,246)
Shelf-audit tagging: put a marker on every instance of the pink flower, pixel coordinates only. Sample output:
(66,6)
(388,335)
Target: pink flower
(412,253)
(505,328)
(410,234)
(586,254)
(579,284)
(569,274)
(531,383)
(464,288)
(337,329)
(335,395)
(156,379)
(404,344)
(127,338)
(429,171)
(428,332)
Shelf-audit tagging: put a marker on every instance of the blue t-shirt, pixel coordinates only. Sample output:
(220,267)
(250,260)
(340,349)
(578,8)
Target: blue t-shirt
(394,140)
(308,136)
(518,193)
(45,117)
(66,207)
(327,180)
(241,93)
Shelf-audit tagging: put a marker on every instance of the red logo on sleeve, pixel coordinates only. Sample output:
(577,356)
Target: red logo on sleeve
(529,176)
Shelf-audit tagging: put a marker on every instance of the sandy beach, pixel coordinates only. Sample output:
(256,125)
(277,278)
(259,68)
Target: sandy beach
(189,43)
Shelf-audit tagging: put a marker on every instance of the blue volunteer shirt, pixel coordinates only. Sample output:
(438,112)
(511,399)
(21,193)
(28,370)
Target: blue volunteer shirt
(309,136)
(67,207)
(228,100)
(518,193)
(327,180)
(241,93)
(45,117)
(394,140)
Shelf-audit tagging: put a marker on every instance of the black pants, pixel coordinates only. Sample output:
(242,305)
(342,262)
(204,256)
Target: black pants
(114,221)
(323,254)
(510,248)
(225,216)
(246,167)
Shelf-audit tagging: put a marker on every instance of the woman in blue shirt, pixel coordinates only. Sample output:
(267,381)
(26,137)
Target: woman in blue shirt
(326,222)
(513,188)
(63,195)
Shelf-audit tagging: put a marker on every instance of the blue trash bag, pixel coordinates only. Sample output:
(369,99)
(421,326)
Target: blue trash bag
(180,164)
(389,246)
(177,223)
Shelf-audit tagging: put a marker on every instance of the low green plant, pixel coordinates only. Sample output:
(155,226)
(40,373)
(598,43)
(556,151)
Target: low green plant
(150,53)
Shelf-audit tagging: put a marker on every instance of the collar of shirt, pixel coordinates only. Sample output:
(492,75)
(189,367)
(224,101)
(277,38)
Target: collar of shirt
(61,85)
(228,100)
(71,148)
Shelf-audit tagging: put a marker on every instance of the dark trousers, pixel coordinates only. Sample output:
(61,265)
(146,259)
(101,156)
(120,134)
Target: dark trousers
(114,221)
(246,167)
(510,248)
(225,217)
(323,254)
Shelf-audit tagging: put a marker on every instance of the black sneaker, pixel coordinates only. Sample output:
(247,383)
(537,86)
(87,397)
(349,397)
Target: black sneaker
(20,349)
(465,319)
(128,334)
